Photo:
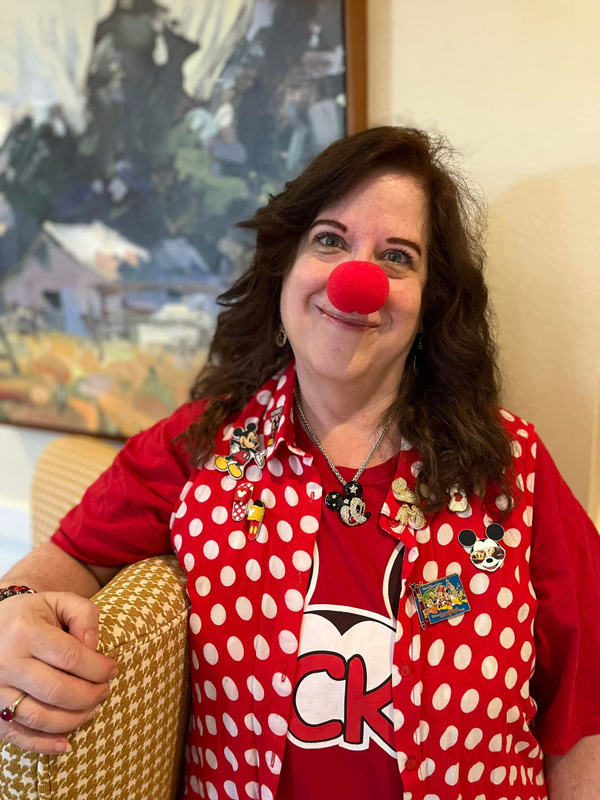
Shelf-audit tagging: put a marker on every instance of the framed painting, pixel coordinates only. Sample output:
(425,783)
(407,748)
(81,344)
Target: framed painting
(134,135)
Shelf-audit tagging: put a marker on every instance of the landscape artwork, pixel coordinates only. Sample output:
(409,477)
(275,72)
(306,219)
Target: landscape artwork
(134,135)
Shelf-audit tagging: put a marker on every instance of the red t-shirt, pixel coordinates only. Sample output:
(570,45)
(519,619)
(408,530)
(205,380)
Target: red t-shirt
(124,517)
(340,741)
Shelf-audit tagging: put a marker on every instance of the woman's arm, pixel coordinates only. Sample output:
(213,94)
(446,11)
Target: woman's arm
(576,775)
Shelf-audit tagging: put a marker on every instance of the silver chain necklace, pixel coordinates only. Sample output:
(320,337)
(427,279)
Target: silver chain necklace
(350,507)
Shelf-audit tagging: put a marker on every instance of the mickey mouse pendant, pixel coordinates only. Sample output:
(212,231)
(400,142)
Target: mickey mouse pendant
(352,507)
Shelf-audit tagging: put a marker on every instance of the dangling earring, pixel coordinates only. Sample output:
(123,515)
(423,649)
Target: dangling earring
(280,336)
(419,347)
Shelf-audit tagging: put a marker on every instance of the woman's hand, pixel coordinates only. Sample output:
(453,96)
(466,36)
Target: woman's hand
(64,678)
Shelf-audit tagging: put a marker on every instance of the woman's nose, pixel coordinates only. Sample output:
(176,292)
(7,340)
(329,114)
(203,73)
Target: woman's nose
(359,286)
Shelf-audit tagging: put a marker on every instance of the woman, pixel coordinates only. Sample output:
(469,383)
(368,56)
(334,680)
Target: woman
(380,561)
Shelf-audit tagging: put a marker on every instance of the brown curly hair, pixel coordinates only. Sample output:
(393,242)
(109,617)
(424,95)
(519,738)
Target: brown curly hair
(448,406)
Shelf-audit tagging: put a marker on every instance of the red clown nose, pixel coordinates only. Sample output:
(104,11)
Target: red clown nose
(358,286)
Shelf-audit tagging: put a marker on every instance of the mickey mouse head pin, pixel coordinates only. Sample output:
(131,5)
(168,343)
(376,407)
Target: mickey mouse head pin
(486,554)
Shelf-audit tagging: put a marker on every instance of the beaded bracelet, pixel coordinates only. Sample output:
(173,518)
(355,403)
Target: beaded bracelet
(10,591)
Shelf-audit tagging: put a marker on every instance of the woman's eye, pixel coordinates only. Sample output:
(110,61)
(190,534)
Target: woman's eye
(399,257)
(328,239)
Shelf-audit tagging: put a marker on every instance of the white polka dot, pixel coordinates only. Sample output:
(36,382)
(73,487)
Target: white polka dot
(265,793)
(413,554)
(276,567)
(528,516)
(301,560)
(227,576)
(435,652)
(210,690)
(252,757)
(430,571)
(475,772)
(489,667)
(237,540)
(498,774)
(462,656)
(255,688)
(252,790)
(189,561)
(229,786)
(445,534)
(441,697)
(203,586)
(195,623)
(494,708)
(451,775)
(294,600)
(235,648)
(473,739)
(314,491)
(516,448)
(523,613)
(230,688)
(264,397)
(309,524)
(243,606)
(530,481)
(254,473)
(479,583)
(230,725)
(288,642)
(415,647)
(253,724)
(253,569)
(210,653)
(195,527)
(261,647)
(526,651)
(483,624)
(512,537)
(449,737)
(519,482)
(282,684)
(507,638)
(273,762)
(219,515)
(422,732)
(510,678)
(210,549)
(505,597)
(284,529)
(210,789)
(275,466)
(291,496)
(495,744)
(513,714)
(217,614)
(195,661)
(177,542)
(453,568)
(296,465)
(426,768)
(202,493)
(268,606)
(415,694)
(277,724)
(228,483)
(469,700)
(507,415)
(268,498)
(416,468)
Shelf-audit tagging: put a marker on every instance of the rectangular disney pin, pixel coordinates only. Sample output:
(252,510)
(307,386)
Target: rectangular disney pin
(256,513)
(440,600)
(275,419)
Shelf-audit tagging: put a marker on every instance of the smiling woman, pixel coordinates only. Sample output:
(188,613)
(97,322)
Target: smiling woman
(389,580)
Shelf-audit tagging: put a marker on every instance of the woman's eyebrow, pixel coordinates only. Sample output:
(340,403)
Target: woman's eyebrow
(392,240)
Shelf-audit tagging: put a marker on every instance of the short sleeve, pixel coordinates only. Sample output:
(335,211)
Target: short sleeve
(123,517)
(565,573)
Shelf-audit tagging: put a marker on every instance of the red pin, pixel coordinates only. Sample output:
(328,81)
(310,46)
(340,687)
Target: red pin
(358,286)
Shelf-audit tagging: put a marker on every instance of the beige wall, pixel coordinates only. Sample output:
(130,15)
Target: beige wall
(515,85)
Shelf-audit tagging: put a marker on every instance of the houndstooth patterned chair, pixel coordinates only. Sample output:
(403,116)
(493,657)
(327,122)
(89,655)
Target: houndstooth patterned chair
(133,749)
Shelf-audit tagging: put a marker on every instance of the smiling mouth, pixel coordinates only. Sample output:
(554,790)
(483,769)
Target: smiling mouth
(344,322)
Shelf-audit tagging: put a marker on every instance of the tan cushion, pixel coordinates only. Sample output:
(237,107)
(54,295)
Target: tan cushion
(63,472)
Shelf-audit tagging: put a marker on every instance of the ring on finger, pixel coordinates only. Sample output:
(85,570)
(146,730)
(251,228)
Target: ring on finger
(8,712)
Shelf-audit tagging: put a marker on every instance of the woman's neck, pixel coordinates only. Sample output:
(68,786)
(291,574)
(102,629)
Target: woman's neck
(348,419)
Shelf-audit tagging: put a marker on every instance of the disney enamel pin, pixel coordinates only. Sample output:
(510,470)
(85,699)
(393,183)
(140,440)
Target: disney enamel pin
(486,554)
(274,419)
(440,599)
(409,512)
(244,447)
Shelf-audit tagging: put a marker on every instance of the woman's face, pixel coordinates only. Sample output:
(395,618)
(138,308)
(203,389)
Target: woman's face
(383,220)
